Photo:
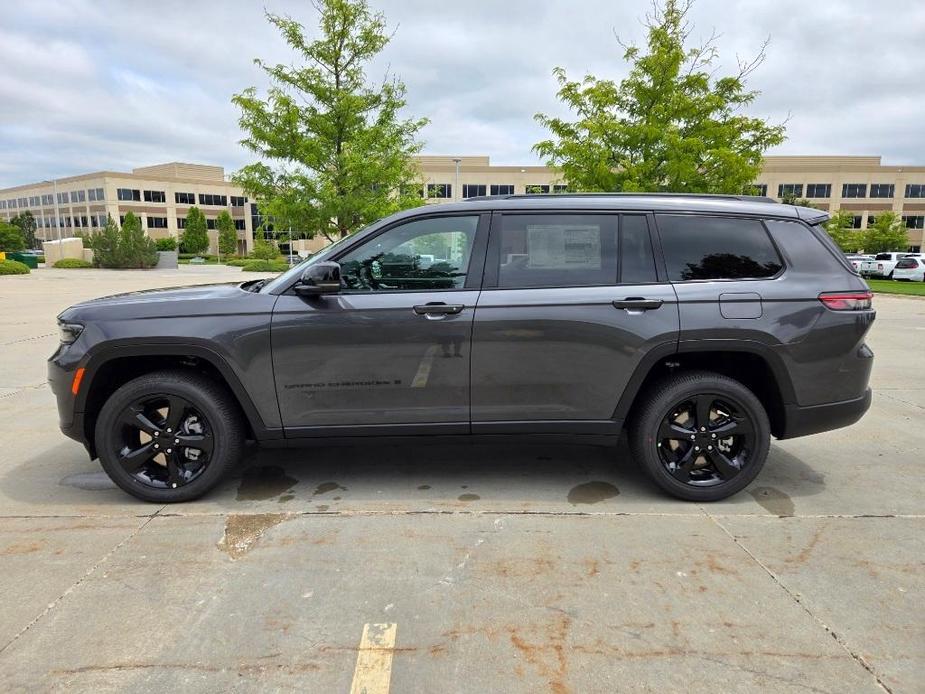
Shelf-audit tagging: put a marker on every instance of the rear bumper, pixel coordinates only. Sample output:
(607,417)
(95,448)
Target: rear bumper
(813,419)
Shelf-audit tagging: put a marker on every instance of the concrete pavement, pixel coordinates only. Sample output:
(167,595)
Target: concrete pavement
(493,568)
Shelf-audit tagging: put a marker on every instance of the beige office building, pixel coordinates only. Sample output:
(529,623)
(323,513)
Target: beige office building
(862,185)
(160,195)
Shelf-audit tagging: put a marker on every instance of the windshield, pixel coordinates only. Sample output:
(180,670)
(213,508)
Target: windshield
(297,270)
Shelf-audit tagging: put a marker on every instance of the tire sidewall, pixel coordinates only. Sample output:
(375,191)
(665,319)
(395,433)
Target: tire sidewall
(226,441)
(674,392)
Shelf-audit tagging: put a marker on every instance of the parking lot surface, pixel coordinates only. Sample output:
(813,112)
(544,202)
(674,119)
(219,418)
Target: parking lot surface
(467,568)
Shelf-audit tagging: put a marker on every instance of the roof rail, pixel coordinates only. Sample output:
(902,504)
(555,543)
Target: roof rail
(707,196)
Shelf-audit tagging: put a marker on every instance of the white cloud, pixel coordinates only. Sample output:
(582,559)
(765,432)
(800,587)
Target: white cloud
(93,85)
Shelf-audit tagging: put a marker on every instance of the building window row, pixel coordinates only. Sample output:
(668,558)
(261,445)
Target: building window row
(185,198)
(157,222)
(128,194)
(238,200)
(818,190)
(155,196)
(213,199)
(915,190)
(914,221)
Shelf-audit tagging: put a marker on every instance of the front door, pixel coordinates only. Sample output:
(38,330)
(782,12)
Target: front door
(571,305)
(390,352)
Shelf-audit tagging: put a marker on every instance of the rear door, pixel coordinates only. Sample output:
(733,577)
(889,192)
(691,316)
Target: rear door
(572,302)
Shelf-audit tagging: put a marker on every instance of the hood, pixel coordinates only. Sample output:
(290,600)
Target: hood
(207,299)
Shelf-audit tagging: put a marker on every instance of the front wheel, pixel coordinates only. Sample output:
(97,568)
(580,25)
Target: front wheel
(701,436)
(169,436)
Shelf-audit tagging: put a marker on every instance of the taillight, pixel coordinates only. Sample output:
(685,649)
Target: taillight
(847,301)
(879,266)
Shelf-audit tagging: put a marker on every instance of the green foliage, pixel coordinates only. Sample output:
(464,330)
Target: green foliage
(670,125)
(26,223)
(336,154)
(264,250)
(887,233)
(168,243)
(128,247)
(896,287)
(73,264)
(13,267)
(195,237)
(227,234)
(791,199)
(239,262)
(136,249)
(11,238)
(265,266)
(839,227)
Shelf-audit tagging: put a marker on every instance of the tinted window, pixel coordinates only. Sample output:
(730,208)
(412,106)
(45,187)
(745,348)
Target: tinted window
(712,248)
(637,263)
(423,255)
(555,250)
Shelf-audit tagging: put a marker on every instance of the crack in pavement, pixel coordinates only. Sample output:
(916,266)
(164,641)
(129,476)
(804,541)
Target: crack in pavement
(54,603)
(857,657)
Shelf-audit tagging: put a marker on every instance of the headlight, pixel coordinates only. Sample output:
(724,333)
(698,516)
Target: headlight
(69,332)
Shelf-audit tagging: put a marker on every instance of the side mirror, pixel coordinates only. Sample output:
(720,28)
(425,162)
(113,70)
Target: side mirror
(319,278)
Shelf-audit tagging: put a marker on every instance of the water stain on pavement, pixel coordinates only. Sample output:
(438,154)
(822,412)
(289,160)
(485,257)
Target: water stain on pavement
(592,492)
(773,500)
(326,487)
(424,486)
(89,481)
(468,497)
(264,482)
(243,530)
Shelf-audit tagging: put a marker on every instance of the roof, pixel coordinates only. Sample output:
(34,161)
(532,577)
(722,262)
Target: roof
(635,202)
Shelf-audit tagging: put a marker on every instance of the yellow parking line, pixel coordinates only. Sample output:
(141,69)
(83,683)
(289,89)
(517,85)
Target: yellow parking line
(427,363)
(373,671)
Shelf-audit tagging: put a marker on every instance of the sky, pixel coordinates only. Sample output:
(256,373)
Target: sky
(111,85)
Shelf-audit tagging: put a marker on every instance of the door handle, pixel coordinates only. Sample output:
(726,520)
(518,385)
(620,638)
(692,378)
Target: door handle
(637,303)
(438,308)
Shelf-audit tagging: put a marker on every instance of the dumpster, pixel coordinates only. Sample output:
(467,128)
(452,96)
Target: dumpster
(26,259)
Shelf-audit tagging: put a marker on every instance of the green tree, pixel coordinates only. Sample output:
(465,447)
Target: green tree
(227,234)
(105,245)
(336,155)
(670,125)
(841,228)
(887,233)
(11,238)
(26,223)
(264,250)
(791,199)
(195,236)
(136,249)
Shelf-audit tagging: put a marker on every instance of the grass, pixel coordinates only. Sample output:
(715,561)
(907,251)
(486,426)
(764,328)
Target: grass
(894,287)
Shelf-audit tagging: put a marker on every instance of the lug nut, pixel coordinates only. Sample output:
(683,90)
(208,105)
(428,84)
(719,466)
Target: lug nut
(156,446)
(696,448)
(709,448)
(170,450)
(178,440)
(712,436)
(169,430)
(701,429)
(157,433)
(693,436)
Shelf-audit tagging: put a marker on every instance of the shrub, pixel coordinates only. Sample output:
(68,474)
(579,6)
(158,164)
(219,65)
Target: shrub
(168,243)
(195,237)
(73,264)
(265,266)
(227,234)
(13,267)
(264,250)
(11,237)
(238,262)
(128,247)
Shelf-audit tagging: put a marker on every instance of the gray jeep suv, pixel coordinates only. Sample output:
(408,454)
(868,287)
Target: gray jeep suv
(701,324)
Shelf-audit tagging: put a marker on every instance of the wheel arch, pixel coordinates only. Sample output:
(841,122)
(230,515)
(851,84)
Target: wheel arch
(753,364)
(109,368)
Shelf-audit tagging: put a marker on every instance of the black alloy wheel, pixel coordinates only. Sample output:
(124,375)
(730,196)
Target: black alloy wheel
(164,441)
(170,436)
(705,440)
(700,435)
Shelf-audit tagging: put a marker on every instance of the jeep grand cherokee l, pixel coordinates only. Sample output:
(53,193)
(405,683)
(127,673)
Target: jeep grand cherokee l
(703,325)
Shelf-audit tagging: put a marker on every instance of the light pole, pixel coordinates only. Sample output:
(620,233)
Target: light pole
(458,194)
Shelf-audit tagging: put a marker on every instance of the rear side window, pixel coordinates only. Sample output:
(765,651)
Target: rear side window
(907,264)
(557,250)
(884,256)
(716,248)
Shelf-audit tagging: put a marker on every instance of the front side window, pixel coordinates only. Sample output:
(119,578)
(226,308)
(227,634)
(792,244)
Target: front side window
(557,250)
(716,248)
(423,255)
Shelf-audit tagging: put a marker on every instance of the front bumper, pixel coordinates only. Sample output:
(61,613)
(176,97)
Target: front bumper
(60,377)
(813,419)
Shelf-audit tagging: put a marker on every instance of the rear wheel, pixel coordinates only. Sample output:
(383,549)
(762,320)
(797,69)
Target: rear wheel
(701,436)
(169,436)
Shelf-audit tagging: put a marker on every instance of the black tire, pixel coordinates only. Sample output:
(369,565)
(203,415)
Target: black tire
(207,405)
(675,397)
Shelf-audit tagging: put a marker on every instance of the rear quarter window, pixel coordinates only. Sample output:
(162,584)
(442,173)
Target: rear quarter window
(716,248)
